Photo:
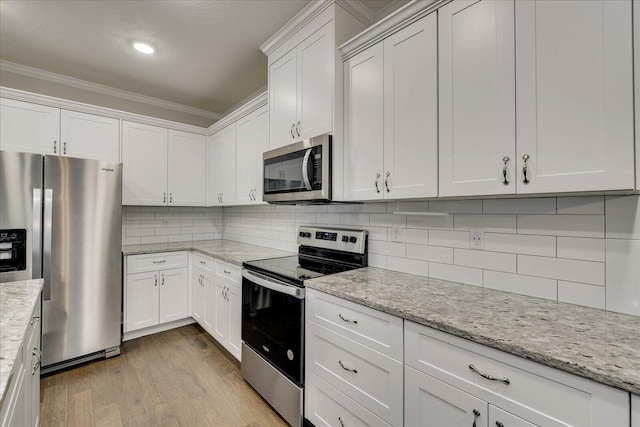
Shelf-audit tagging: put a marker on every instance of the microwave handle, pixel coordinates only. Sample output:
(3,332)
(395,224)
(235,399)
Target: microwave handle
(305,169)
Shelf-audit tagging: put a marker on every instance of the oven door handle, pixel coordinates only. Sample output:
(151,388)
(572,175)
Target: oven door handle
(264,281)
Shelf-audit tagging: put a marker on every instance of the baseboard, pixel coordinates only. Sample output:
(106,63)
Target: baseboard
(158,328)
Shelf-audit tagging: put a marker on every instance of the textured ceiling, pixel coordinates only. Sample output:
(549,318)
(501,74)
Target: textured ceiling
(207,52)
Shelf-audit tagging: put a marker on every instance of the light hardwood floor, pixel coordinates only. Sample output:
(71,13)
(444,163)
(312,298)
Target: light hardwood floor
(180,377)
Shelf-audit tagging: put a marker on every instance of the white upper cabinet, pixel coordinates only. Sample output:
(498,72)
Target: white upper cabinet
(477,97)
(30,128)
(574,90)
(39,129)
(186,169)
(162,167)
(283,100)
(144,164)
(391,139)
(222,164)
(252,139)
(88,136)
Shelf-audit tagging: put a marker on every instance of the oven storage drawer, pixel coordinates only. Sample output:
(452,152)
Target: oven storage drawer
(370,378)
(157,261)
(329,407)
(375,329)
(527,389)
(203,262)
(228,271)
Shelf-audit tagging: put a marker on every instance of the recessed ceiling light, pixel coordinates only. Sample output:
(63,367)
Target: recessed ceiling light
(143,47)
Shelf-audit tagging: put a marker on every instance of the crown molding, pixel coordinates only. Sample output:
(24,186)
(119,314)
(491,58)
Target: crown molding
(50,101)
(313,9)
(102,89)
(404,16)
(244,110)
(356,8)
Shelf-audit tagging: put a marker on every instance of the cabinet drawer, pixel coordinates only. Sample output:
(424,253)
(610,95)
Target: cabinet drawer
(533,392)
(160,261)
(366,376)
(375,329)
(203,262)
(228,271)
(326,406)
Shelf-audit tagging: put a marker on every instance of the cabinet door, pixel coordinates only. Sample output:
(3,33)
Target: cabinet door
(477,97)
(363,149)
(211,186)
(411,111)
(635,410)
(246,133)
(141,295)
(261,145)
(234,295)
(210,297)
(282,100)
(197,295)
(316,62)
(144,165)
(221,325)
(431,402)
(575,95)
(174,297)
(498,417)
(88,136)
(29,128)
(224,166)
(186,174)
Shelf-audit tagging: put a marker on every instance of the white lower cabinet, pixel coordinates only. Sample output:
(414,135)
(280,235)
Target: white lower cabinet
(21,406)
(228,308)
(156,290)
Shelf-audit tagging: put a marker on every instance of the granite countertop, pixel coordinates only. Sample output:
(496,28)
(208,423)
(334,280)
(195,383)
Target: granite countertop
(225,250)
(17,301)
(596,344)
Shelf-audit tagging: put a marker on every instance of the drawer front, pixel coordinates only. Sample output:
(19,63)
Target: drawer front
(533,392)
(366,376)
(375,329)
(326,406)
(498,417)
(228,271)
(203,262)
(159,261)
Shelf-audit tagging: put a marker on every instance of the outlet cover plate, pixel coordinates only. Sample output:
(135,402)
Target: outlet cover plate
(476,238)
(396,234)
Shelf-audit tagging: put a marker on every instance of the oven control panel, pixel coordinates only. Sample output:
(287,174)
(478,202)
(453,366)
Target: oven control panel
(341,239)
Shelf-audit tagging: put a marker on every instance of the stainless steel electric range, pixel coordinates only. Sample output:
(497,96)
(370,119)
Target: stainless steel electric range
(273,312)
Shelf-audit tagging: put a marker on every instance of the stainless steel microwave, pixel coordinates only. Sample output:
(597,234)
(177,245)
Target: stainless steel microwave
(299,173)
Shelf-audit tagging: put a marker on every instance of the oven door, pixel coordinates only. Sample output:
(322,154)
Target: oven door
(298,172)
(273,322)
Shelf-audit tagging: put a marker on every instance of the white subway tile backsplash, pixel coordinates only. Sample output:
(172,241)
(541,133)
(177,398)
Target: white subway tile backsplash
(453,239)
(430,253)
(377,260)
(520,244)
(328,218)
(167,231)
(153,239)
(413,235)
(131,240)
(562,225)
(407,207)
(488,260)
(540,206)
(581,294)
(405,265)
(581,248)
(354,219)
(456,273)
(562,269)
(133,232)
(623,275)
(388,248)
(430,222)
(489,223)
(623,217)
(456,206)
(388,220)
(526,285)
(581,205)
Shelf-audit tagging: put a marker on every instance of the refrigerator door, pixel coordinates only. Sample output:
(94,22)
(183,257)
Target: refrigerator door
(20,208)
(82,265)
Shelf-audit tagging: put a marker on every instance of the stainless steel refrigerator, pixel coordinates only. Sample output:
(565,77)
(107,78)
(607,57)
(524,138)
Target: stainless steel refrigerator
(60,219)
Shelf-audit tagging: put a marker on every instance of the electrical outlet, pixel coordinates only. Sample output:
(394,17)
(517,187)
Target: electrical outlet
(476,238)
(396,234)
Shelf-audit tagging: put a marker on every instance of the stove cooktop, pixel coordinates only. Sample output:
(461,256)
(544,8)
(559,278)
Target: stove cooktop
(295,269)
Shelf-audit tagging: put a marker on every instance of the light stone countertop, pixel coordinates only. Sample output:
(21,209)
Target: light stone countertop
(596,344)
(17,301)
(225,250)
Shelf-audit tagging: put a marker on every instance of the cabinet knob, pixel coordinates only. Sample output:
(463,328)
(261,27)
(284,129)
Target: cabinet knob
(525,168)
(505,161)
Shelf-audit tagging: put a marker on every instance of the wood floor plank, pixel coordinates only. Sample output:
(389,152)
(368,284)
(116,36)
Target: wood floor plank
(180,377)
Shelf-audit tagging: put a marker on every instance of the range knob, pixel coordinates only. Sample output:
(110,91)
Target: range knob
(345,238)
(353,239)
(301,234)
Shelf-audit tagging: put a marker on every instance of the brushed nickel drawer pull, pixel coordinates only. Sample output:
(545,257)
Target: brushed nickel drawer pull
(34,320)
(489,377)
(355,322)
(476,415)
(341,423)
(499,424)
(355,371)
(160,262)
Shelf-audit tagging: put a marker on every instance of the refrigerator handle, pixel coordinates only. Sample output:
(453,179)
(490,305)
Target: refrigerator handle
(36,235)
(46,234)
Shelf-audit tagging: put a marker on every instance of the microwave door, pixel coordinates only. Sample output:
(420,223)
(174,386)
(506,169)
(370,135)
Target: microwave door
(285,174)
